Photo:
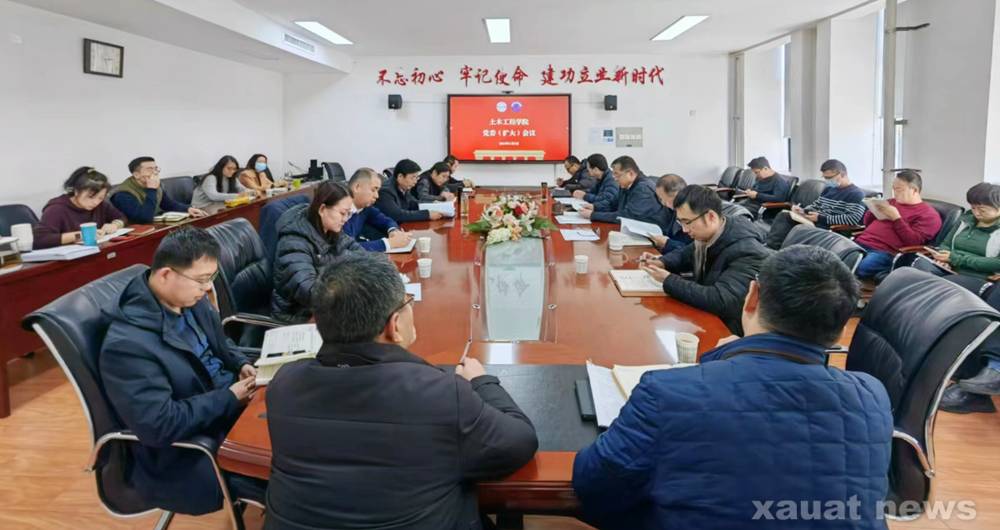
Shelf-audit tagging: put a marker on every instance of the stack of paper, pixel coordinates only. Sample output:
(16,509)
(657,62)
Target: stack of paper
(285,345)
(171,217)
(572,218)
(640,229)
(633,240)
(447,208)
(64,253)
(579,235)
(612,388)
(109,237)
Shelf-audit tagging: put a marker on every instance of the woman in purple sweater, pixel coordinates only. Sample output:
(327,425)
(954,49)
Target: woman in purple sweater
(82,203)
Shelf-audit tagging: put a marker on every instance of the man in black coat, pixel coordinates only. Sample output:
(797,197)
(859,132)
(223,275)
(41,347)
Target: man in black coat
(579,172)
(171,374)
(637,199)
(726,255)
(396,200)
(368,435)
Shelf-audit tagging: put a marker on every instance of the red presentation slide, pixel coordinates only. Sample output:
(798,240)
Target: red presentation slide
(509,128)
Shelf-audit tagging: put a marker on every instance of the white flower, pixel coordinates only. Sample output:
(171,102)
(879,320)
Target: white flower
(498,235)
(509,220)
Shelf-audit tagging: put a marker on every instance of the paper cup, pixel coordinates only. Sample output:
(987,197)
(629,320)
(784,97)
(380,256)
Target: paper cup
(687,348)
(424,244)
(581,264)
(88,232)
(25,236)
(616,241)
(424,267)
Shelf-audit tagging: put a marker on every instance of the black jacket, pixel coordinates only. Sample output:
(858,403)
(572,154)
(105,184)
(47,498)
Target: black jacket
(400,206)
(162,392)
(730,265)
(639,202)
(300,254)
(371,436)
(581,180)
(426,190)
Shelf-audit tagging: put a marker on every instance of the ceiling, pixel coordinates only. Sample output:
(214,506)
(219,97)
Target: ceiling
(547,27)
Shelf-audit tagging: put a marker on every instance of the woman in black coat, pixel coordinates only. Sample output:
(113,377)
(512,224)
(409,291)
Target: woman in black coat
(309,235)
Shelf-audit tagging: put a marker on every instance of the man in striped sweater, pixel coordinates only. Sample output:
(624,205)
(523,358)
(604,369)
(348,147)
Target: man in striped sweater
(839,204)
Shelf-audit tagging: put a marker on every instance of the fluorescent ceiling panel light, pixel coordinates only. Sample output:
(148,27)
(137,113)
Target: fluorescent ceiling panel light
(679,27)
(323,31)
(499,29)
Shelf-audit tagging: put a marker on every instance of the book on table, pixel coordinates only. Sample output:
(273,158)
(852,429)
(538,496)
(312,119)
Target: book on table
(612,387)
(286,345)
(63,253)
(632,283)
(171,217)
(402,250)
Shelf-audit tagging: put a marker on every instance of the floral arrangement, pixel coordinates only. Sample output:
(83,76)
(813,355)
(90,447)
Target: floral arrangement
(509,218)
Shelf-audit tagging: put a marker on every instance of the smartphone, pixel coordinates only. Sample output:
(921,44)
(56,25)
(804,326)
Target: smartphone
(931,249)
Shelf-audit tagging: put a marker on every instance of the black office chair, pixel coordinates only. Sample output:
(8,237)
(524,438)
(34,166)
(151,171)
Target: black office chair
(950,215)
(740,180)
(804,193)
(848,251)
(728,178)
(335,171)
(180,189)
(243,287)
(15,214)
(916,332)
(387,173)
(73,328)
(269,216)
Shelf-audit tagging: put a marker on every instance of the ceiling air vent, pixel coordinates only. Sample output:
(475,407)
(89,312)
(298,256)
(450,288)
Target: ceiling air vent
(299,43)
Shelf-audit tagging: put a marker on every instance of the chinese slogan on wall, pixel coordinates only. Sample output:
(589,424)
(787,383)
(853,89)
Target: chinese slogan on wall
(547,77)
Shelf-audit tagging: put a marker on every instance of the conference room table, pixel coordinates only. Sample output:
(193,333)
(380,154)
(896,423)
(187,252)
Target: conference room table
(37,284)
(520,303)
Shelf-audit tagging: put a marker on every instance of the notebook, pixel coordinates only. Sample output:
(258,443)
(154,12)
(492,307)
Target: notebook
(403,250)
(171,217)
(109,237)
(286,345)
(611,388)
(799,218)
(633,283)
(63,253)
(873,205)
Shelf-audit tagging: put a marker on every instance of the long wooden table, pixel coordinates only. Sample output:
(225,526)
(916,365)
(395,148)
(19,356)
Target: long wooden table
(38,284)
(582,317)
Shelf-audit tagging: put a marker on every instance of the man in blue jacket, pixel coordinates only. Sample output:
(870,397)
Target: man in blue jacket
(603,195)
(171,375)
(368,225)
(637,197)
(760,430)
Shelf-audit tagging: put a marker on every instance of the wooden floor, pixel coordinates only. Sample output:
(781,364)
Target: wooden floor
(44,446)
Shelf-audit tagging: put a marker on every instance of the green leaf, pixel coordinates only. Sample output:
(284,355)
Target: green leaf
(542,223)
(479,226)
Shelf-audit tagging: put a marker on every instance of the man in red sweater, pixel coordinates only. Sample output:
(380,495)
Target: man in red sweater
(910,222)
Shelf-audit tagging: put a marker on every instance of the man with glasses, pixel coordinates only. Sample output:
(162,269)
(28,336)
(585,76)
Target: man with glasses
(839,204)
(769,187)
(725,256)
(171,374)
(368,435)
(637,197)
(141,198)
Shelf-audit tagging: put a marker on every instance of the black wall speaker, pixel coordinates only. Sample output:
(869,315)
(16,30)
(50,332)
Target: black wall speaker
(395,101)
(610,102)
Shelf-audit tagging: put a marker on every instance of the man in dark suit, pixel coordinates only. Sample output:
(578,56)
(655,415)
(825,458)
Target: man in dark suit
(171,374)
(579,172)
(372,229)
(368,435)
(397,202)
(637,199)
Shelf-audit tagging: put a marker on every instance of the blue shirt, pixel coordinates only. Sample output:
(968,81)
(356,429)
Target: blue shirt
(190,332)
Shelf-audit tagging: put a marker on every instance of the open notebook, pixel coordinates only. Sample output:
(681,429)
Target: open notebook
(286,345)
(611,387)
(633,283)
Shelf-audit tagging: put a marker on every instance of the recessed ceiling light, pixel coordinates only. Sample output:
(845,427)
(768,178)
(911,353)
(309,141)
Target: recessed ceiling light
(499,29)
(323,31)
(682,25)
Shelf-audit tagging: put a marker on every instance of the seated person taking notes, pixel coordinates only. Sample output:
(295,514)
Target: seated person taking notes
(171,374)
(256,176)
(603,195)
(579,172)
(725,256)
(367,434)
(637,197)
(432,186)
(220,185)
(365,185)
(839,204)
(396,200)
(82,203)
(141,198)
(308,236)
(674,237)
(769,187)
(760,424)
(455,185)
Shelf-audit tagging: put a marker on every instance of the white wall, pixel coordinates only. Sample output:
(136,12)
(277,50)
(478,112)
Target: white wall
(763,111)
(947,88)
(347,120)
(992,164)
(853,119)
(184,108)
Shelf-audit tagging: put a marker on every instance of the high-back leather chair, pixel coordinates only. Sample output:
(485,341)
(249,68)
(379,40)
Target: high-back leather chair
(848,251)
(73,328)
(335,171)
(728,178)
(180,189)
(243,287)
(746,179)
(387,173)
(804,193)
(15,214)
(913,336)
(269,216)
(950,215)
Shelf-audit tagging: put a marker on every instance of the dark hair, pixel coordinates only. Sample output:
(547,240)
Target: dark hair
(671,183)
(253,161)
(450,159)
(217,173)
(912,178)
(572,160)
(626,163)
(365,174)
(984,194)
(184,246)
(355,296)
(807,292)
(86,179)
(327,194)
(834,165)
(699,199)
(759,163)
(597,161)
(405,167)
(440,167)
(133,166)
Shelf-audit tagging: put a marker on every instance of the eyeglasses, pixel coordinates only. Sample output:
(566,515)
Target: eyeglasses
(409,300)
(203,284)
(152,170)
(685,222)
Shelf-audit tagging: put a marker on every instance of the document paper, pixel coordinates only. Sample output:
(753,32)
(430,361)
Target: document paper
(572,218)
(873,204)
(447,208)
(119,233)
(285,345)
(579,235)
(639,228)
(608,398)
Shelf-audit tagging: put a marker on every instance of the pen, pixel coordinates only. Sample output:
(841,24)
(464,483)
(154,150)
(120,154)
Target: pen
(462,360)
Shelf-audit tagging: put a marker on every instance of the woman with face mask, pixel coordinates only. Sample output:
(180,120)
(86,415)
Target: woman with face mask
(82,203)
(309,235)
(257,176)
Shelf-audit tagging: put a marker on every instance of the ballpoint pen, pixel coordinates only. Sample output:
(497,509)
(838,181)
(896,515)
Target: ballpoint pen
(462,360)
